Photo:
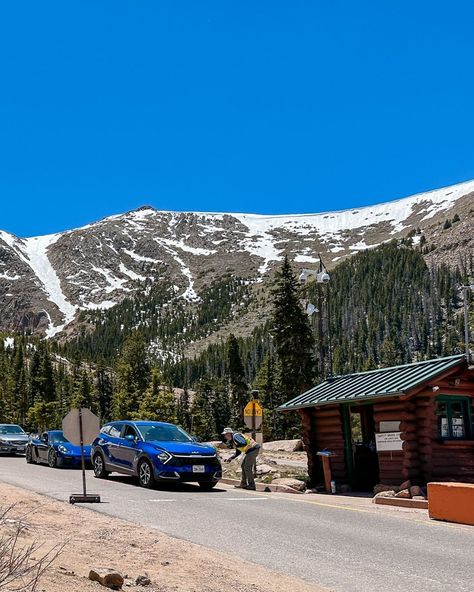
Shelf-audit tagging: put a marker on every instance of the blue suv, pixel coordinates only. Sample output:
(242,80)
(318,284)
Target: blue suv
(154,452)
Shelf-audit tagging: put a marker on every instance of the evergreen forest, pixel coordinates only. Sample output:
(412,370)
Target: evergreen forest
(382,307)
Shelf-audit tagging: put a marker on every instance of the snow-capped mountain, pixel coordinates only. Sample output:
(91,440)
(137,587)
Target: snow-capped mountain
(45,281)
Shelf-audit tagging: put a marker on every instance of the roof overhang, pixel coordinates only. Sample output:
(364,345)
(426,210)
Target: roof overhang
(376,396)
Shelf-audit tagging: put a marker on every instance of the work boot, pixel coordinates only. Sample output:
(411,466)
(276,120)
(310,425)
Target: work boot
(240,486)
(250,488)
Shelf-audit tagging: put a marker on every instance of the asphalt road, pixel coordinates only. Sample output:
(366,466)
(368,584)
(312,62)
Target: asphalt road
(347,549)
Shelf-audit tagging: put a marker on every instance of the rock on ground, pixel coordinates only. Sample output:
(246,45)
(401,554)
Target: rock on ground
(288,482)
(264,469)
(415,490)
(106,577)
(386,493)
(403,493)
(283,446)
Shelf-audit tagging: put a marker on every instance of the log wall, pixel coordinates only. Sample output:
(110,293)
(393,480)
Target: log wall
(392,465)
(451,460)
(322,428)
(308,421)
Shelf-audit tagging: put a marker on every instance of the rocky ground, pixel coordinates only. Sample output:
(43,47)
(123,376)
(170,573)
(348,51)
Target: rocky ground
(279,463)
(93,540)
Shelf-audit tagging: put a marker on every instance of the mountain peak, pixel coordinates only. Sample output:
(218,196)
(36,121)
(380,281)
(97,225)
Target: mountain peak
(46,281)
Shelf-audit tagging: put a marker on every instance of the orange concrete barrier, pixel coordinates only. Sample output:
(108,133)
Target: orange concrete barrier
(452,502)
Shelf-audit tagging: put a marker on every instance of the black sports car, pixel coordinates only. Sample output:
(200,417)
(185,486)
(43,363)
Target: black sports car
(53,449)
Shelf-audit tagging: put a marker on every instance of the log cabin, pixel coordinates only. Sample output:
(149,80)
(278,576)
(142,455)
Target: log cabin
(413,421)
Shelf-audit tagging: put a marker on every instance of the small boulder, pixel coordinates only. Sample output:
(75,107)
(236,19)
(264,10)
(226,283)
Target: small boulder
(264,469)
(405,485)
(415,490)
(403,493)
(288,482)
(143,581)
(386,493)
(110,578)
(283,446)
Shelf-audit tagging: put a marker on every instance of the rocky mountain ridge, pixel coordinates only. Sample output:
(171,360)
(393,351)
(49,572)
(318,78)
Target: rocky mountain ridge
(46,281)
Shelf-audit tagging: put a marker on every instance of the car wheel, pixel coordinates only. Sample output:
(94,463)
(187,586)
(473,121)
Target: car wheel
(145,474)
(208,485)
(52,459)
(99,467)
(29,455)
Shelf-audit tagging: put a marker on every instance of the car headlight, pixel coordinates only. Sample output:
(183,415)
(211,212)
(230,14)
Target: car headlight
(63,449)
(163,457)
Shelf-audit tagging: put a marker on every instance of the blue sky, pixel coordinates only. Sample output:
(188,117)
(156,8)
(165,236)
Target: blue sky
(261,106)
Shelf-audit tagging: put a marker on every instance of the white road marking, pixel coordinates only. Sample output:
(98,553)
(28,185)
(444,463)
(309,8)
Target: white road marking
(245,499)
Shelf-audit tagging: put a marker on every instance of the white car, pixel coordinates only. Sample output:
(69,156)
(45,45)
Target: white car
(13,439)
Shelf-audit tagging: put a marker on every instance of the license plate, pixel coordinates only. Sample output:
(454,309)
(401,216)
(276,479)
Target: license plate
(199,469)
(20,448)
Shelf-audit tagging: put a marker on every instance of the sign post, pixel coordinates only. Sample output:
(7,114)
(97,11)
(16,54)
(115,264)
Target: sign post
(253,416)
(81,426)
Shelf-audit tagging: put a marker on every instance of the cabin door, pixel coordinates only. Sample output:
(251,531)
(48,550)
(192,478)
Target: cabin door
(365,463)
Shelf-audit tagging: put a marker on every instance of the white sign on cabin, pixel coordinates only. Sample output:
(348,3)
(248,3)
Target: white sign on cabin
(389,426)
(388,441)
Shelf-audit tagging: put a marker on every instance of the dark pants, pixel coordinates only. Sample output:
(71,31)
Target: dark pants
(249,465)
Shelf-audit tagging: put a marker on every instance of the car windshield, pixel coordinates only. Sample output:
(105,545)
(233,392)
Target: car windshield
(11,429)
(163,433)
(57,437)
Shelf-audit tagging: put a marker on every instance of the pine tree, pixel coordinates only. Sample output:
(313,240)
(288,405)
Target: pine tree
(237,386)
(158,403)
(82,395)
(103,390)
(183,410)
(293,342)
(42,416)
(221,406)
(265,383)
(388,354)
(133,377)
(202,414)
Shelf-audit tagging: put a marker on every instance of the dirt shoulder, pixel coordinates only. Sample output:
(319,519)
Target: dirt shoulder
(96,540)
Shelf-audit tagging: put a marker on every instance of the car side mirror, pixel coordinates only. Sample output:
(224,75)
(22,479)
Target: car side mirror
(131,438)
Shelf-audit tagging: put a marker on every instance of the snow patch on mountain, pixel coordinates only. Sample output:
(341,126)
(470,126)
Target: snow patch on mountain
(189,293)
(331,224)
(185,247)
(35,250)
(258,241)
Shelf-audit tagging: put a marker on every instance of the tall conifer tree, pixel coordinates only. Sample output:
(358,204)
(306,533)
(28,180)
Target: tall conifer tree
(293,341)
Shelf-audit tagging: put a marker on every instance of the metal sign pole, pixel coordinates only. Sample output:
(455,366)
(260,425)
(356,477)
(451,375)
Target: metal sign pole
(254,428)
(83,462)
(81,426)
(466,326)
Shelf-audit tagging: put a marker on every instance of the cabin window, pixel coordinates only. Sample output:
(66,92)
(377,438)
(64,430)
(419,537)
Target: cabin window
(454,418)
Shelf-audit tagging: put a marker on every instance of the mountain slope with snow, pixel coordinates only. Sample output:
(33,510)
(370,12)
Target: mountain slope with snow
(45,281)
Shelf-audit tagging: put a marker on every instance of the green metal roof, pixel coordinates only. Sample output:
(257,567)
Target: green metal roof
(385,382)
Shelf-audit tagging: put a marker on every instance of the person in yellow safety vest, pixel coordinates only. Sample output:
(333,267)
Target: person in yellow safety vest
(243,445)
